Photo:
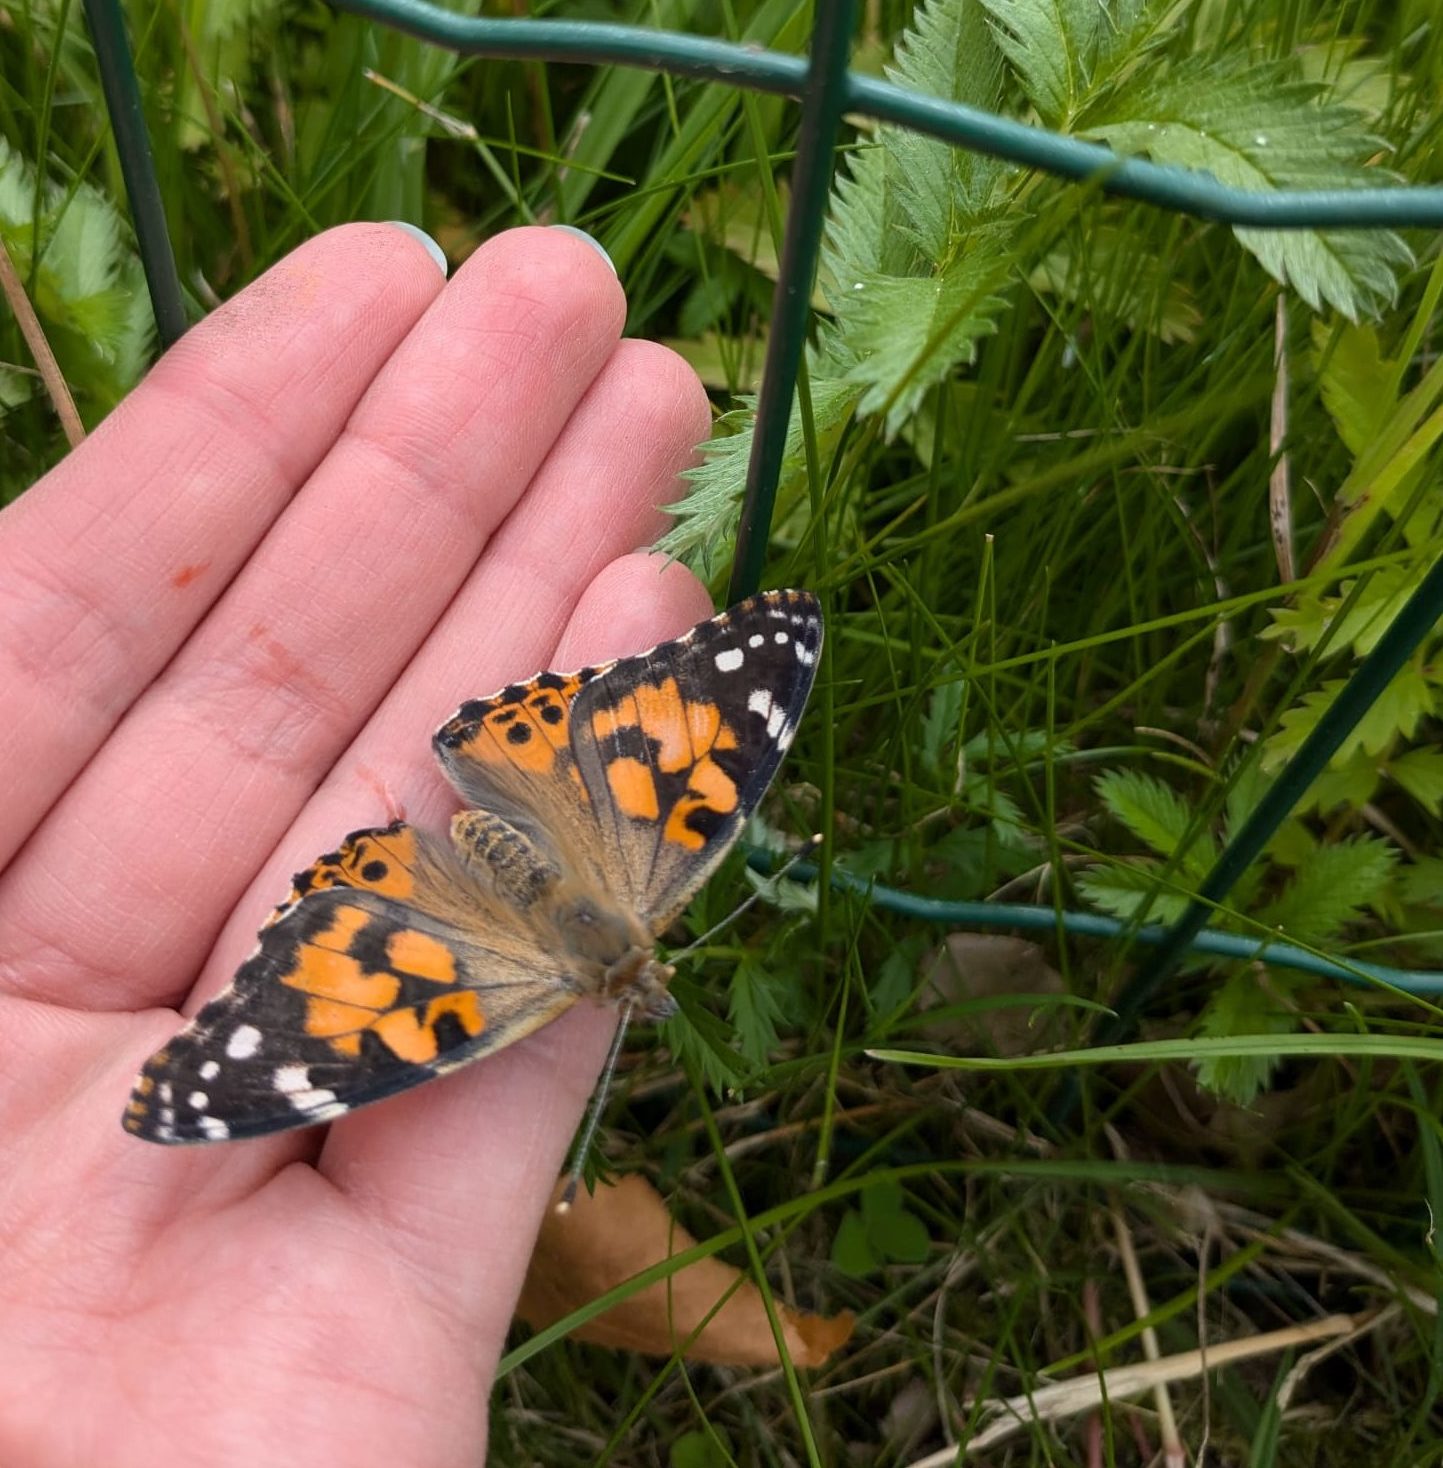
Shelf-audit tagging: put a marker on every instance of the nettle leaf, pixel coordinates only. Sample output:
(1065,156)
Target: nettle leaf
(1055,46)
(1124,889)
(1420,773)
(1156,815)
(1358,383)
(1242,1006)
(909,332)
(1351,784)
(1337,882)
(1421,882)
(1254,127)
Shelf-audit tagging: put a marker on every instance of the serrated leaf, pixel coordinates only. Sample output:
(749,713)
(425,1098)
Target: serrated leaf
(1125,888)
(1420,773)
(1351,784)
(1394,714)
(908,332)
(1357,382)
(1054,46)
(939,726)
(1337,882)
(1255,128)
(754,1010)
(1421,882)
(1241,1007)
(1156,815)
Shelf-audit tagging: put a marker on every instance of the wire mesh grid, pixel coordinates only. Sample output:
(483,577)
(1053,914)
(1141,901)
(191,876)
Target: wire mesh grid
(826,89)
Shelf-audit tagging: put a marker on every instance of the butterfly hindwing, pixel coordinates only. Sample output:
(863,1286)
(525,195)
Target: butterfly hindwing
(353,994)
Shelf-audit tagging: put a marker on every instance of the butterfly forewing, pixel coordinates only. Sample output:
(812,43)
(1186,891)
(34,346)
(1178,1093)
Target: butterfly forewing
(677,746)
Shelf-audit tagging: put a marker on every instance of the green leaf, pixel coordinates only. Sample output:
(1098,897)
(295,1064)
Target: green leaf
(1357,382)
(1124,888)
(852,1252)
(698,1449)
(1420,773)
(893,1231)
(1395,713)
(754,1010)
(1254,127)
(1156,815)
(1241,1007)
(906,333)
(1054,46)
(939,727)
(1337,882)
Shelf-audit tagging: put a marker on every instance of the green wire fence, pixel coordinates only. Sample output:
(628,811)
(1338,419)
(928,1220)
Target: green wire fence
(826,89)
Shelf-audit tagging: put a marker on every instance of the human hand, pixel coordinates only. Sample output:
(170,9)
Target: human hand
(229,623)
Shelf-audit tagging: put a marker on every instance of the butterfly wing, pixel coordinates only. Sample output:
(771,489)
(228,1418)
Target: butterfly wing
(677,746)
(642,772)
(387,966)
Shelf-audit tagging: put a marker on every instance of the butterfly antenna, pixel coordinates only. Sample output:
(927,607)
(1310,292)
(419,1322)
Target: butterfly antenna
(593,1120)
(812,843)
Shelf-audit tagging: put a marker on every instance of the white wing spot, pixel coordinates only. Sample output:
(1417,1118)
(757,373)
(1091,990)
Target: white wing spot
(292,1078)
(730,660)
(243,1043)
(755,640)
(164,1092)
(805,656)
(759,701)
(167,1117)
(214,1128)
(210,1070)
(782,639)
(197,1100)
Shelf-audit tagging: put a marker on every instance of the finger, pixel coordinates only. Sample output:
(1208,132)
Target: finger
(109,561)
(599,490)
(475,1155)
(168,823)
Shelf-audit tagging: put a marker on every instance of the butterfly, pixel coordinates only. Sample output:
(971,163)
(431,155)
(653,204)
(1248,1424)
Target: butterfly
(597,804)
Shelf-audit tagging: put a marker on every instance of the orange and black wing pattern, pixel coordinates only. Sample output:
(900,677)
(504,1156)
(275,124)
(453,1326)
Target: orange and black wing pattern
(361,986)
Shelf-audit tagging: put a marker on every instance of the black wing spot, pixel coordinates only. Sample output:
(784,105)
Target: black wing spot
(518,733)
(373,871)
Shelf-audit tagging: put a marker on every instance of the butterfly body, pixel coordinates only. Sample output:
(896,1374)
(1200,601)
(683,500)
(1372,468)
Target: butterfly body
(599,802)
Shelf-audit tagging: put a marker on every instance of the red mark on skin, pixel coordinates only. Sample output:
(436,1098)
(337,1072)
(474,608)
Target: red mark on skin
(187,574)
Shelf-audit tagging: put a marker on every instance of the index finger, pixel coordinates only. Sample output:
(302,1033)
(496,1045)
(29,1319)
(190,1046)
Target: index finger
(109,561)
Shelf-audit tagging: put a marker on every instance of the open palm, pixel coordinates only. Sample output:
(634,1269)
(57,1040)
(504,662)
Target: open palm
(351,498)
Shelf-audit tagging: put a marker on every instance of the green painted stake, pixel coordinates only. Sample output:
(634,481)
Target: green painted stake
(791,304)
(137,166)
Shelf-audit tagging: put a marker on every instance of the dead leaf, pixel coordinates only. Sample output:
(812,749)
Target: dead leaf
(986,966)
(616,1232)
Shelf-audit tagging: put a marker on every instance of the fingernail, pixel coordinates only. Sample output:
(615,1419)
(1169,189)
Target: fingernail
(432,248)
(595,244)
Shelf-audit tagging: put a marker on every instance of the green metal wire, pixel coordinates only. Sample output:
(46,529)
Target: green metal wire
(1094,925)
(132,143)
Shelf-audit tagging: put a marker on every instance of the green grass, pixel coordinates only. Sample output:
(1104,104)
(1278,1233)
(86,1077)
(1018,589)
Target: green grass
(1066,655)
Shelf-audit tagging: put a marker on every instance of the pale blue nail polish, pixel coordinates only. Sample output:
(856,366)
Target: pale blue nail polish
(595,244)
(432,248)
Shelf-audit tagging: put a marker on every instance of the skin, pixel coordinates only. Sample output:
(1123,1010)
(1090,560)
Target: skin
(229,622)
